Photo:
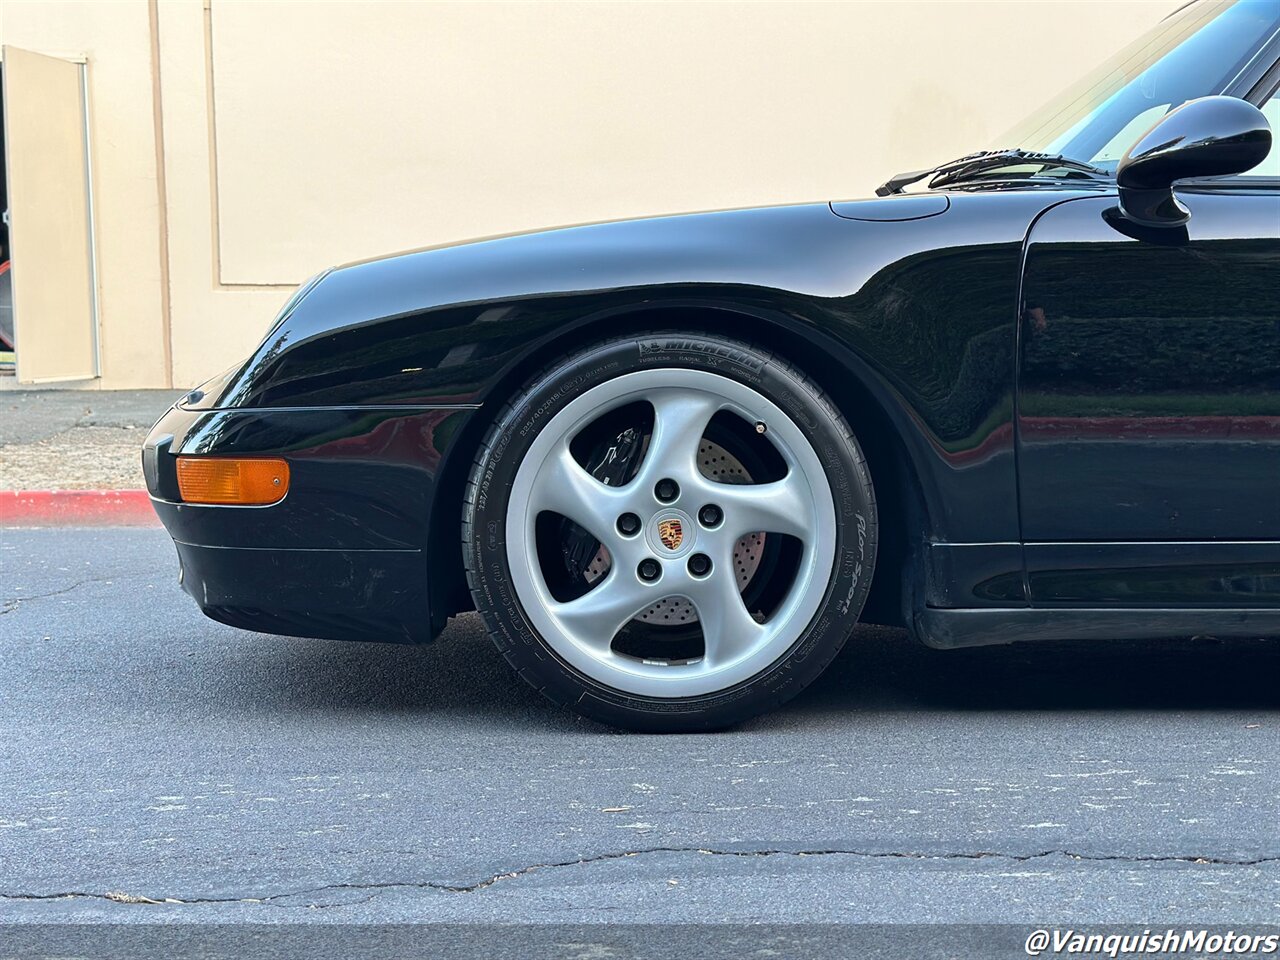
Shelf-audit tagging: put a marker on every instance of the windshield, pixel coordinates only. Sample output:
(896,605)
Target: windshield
(1194,53)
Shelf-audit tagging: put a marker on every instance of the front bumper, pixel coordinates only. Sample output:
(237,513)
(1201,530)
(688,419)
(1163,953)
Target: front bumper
(343,555)
(378,595)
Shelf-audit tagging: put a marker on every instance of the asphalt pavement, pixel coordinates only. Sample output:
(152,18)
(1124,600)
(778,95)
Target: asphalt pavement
(158,767)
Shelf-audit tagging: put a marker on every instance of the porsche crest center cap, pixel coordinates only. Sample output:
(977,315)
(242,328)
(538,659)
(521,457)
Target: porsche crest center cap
(671,534)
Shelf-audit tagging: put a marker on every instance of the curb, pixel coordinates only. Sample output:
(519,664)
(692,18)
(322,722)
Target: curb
(76,508)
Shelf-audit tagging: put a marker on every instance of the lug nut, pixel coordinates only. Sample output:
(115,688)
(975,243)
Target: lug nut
(666,490)
(710,515)
(649,570)
(628,524)
(699,565)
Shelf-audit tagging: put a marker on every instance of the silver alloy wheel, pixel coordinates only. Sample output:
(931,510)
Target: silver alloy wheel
(736,646)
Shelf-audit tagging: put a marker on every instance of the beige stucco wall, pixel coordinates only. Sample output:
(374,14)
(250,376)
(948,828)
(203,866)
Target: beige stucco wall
(292,136)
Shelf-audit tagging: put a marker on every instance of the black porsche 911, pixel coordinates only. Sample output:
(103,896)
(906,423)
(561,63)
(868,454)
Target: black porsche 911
(1031,393)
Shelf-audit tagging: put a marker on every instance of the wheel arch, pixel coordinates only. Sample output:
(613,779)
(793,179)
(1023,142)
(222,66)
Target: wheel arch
(865,401)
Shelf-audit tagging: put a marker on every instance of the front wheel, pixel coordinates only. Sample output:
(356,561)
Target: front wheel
(670,532)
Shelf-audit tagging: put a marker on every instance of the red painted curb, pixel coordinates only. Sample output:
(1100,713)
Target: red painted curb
(76,508)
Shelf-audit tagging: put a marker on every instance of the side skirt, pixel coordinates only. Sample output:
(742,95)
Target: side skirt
(986,627)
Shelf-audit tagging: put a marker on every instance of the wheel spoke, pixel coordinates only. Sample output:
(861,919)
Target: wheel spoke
(728,630)
(782,506)
(595,618)
(564,487)
(680,419)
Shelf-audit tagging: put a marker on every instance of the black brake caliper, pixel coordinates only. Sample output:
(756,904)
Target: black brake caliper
(613,462)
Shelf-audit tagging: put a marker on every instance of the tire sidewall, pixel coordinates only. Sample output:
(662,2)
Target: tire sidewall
(533,410)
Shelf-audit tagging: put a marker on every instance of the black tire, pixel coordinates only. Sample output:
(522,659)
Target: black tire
(512,433)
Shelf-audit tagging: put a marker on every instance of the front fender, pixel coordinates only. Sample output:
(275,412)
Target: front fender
(921,311)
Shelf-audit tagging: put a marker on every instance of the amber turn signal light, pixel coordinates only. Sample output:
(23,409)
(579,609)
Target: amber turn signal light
(232,481)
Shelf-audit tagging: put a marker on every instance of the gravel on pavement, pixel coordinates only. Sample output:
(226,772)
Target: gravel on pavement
(76,439)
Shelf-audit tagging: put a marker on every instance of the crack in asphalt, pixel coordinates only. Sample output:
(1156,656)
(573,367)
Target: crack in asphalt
(375,888)
(9,606)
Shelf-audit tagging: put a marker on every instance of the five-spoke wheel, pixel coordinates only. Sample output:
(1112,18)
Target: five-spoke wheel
(672,553)
(668,533)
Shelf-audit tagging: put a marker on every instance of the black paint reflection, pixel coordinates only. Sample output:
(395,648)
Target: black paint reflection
(1150,385)
(922,312)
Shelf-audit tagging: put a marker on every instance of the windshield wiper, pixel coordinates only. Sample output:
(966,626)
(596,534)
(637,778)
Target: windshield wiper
(955,171)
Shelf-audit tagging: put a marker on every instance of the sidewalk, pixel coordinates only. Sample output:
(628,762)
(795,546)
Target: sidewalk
(73,457)
(76,439)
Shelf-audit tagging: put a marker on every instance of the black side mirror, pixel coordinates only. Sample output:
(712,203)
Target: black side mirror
(1209,137)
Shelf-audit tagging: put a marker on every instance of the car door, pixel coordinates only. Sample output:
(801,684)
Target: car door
(1148,409)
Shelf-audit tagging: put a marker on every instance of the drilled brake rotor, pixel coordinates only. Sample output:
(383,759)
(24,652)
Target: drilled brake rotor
(718,464)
